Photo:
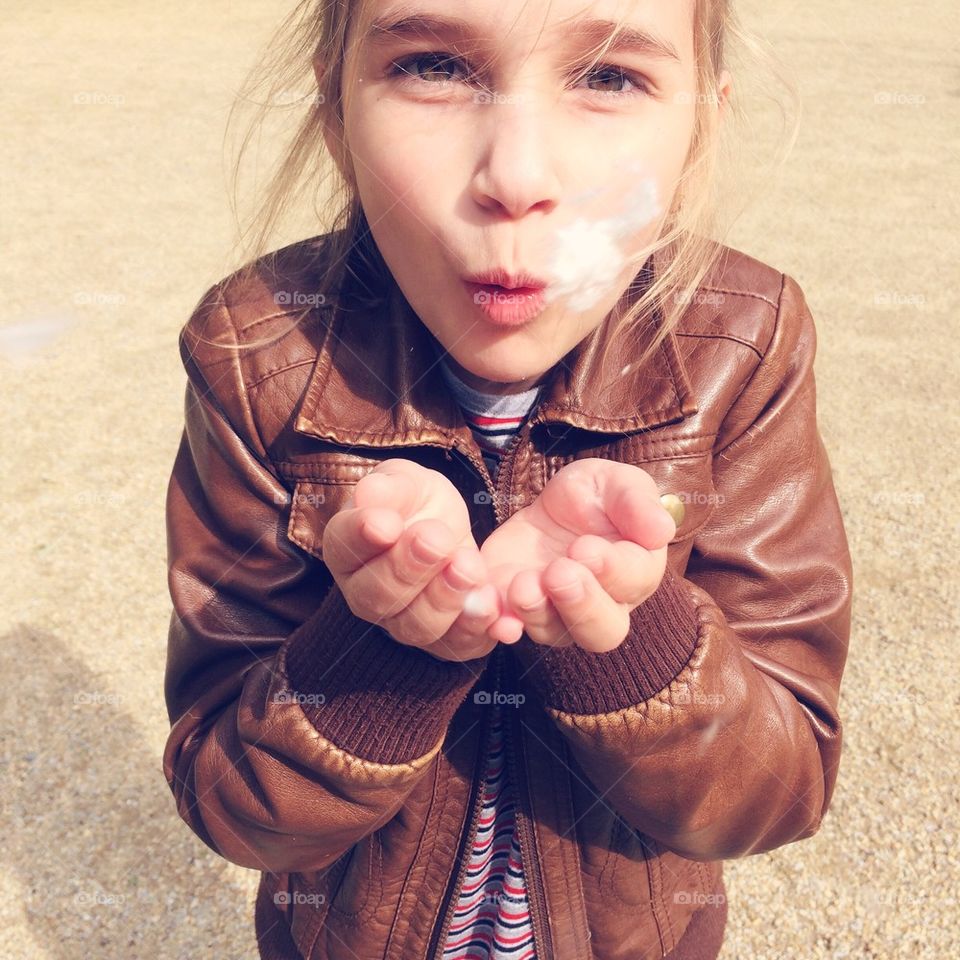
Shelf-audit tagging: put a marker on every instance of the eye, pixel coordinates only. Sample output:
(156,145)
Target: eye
(609,73)
(440,62)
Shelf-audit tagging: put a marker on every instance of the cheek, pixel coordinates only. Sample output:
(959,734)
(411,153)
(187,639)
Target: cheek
(397,181)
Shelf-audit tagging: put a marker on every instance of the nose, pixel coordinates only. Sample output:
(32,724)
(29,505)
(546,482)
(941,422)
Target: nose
(517,172)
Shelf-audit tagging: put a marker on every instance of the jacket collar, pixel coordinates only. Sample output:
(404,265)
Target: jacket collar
(377,382)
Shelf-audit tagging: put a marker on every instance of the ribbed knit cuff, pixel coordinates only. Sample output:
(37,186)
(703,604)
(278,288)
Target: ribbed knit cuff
(662,636)
(370,695)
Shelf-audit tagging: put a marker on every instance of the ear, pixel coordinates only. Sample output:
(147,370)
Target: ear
(724,90)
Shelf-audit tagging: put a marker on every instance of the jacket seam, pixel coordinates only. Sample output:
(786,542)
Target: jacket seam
(753,376)
(270,374)
(724,336)
(435,798)
(245,397)
(698,455)
(607,873)
(267,318)
(455,840)
(640,413)
(364,874)
(579,899)
(658,903)
(741,293)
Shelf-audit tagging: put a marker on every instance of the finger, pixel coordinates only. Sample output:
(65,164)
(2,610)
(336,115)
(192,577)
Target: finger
(421,551)
(355,536)
(633,506)
(480,606)
(447,591)
(392,483)
(590,615)
(500,626)
(506,629)
(468,637)
(540,619)
(391,581)
(461,634)
(626,571)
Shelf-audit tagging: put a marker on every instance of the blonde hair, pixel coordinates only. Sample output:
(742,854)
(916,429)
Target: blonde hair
(693,229)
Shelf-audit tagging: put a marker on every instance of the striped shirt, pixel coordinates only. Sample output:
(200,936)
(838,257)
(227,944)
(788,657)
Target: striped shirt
(491,920)
(494,419)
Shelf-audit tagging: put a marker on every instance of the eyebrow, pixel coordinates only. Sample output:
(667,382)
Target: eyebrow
(419,26)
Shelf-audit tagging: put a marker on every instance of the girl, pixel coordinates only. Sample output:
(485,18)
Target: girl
(515,427)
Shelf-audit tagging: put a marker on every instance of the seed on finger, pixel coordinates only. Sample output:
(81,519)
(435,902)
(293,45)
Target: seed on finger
(476,603)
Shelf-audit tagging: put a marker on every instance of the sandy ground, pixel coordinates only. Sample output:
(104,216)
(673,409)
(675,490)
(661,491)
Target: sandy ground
(114,220)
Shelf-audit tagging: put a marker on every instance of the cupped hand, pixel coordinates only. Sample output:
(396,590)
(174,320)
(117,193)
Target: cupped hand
(403,553)
(572,565)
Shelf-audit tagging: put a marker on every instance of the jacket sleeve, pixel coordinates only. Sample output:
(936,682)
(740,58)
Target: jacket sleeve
(296,727)
(714,726)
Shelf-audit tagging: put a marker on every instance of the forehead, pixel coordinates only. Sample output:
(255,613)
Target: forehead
(660,28)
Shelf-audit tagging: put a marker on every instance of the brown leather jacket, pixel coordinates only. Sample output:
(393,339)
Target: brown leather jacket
(310,746)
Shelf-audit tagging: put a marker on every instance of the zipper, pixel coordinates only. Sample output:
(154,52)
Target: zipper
(543,946)
(452,894)
(529,860)
(542,940)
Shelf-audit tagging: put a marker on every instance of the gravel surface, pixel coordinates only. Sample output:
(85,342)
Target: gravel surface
(115,219)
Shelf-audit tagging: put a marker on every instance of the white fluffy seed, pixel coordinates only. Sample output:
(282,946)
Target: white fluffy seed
(475,603)
(587,258)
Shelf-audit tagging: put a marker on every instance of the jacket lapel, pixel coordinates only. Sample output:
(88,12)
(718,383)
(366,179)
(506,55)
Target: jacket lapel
(376,382)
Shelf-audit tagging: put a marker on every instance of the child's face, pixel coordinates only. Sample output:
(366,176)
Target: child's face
(460,172)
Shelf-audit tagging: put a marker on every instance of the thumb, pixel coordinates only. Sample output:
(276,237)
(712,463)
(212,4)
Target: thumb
(646,520)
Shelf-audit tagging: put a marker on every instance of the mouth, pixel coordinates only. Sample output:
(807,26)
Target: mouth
(499,277)
(507,307)
(507,299)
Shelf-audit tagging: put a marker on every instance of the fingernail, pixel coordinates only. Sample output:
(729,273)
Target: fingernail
(426,551)
(569,591)
(377,530)
(457,578)
(537,605)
